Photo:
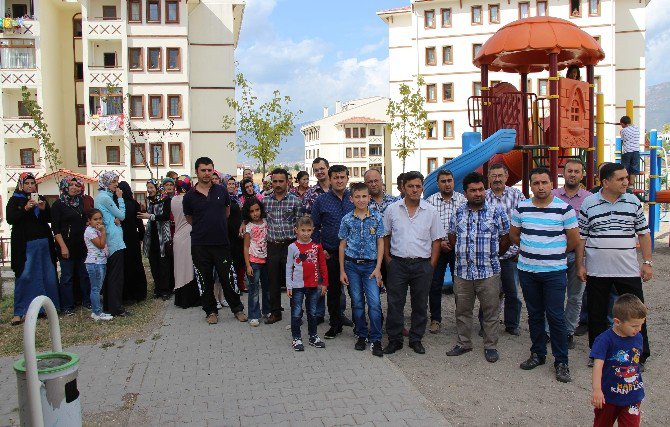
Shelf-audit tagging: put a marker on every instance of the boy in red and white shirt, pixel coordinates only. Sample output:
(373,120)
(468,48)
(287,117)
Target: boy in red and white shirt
(306,279)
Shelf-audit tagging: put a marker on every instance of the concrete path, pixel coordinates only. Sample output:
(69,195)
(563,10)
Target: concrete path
(230,374)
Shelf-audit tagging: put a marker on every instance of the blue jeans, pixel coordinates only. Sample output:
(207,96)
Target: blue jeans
(509,277)
(575,292)
(544,294)
(67,270)
(436,285)
(96,273)
(362,289)
(258,281)
(311,297)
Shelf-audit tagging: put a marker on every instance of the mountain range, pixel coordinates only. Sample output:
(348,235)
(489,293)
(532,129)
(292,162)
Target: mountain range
(658,105)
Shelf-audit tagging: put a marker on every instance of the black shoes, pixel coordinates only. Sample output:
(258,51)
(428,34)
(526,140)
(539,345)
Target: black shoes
(417,347)
(491,355)
(533,362)
(332,333)
(563,373)
(315,341)
(571,342)
(360,344)
(590,364)
(512,331)
(582,329)
(458,351)
(392,347)
(376,348)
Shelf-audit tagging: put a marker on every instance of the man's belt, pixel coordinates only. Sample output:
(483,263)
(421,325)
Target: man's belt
(410,260)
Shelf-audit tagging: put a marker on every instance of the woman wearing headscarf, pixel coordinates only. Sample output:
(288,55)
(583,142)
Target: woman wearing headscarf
(68,222)
(234,223)
(247,187)
(186,291)
(216,177)
(112,215)
(158,236)
(33,258)
(134,277)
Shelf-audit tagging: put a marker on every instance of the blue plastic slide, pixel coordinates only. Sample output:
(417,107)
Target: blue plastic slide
(499,143)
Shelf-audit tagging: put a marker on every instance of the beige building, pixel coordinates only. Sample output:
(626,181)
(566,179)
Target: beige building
(439,39)
(354,136)
(121,82)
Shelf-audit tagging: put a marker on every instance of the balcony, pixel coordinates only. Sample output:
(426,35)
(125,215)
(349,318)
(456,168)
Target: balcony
(97,169)
(15,79)
(105,125)
(13,172)
(102,76)
(26,28)
(104,29)
(15,127)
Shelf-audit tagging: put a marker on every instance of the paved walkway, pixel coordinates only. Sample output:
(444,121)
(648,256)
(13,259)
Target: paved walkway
(231,374)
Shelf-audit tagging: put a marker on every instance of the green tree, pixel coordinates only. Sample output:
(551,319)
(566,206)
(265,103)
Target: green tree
(409,120)
(40,130)
(262,127)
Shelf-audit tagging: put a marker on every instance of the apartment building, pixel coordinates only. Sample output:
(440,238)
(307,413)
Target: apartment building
(439,39)
(135,86)
(354,136)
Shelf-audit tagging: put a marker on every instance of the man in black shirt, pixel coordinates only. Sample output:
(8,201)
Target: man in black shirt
(206,208)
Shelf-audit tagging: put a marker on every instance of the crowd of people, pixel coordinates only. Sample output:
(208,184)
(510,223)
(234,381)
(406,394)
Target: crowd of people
(208,242)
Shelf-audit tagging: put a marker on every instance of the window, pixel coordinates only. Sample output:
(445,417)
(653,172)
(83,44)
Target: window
(109,59)
(17,54)
(430,56)
(475,50)
(135,11)
(448,132)
(494,14)
(541,8)
(447,92)
(137,107)
(22,109)
(356,152)
(347,132)
(27,156)
(431,131)
(356,174)
(363,152)
(154,60)
(429,19)
(432,164)
(363,132)
(109,12)
(138,154)
(153,11)
(355,132)
(447,55)
(597,39)
(81,115)
(594,7)
(156,154)
(477,88)
(135,58)
(373,132)
(113,155)
(174,106)
(155,106)
(176,154)
(431,93)
(171,12)
(446,17)
(542,87)
(597,84)
(446,159)
(79,71)
(348,153)
(476,15)
(173,58)
(19,10)
(375,150)
(77,29)
(377,166)
(524,9)
(104,103)
(81,156)
(575,8)
(141,197)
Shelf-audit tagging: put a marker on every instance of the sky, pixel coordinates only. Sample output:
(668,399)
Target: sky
(322,51)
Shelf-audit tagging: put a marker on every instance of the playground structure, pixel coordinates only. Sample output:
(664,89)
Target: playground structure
(549,130)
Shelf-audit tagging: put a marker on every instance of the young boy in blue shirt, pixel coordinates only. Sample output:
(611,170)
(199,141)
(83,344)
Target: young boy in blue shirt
(361,251)
(617,381)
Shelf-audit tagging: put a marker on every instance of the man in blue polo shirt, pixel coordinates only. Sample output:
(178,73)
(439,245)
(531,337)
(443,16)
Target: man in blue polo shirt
(545,227)
(206,208)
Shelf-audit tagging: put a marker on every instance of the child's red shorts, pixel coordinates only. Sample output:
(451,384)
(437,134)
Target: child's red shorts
(627,416)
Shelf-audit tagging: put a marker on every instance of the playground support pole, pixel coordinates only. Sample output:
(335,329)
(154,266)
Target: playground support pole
(654,210)
(630,110)
(590,173)
(525,140)
(486,101)
(553,114)
(600,129)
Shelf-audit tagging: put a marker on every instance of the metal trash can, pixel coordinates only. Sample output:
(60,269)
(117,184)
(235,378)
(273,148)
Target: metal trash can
(57,373)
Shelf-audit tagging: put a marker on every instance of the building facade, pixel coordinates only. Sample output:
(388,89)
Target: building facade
(135,86)
(354,136)
(439,39)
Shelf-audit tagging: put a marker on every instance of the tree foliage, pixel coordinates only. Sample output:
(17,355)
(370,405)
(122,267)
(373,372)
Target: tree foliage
(261,127)
(409,120)
(40,131)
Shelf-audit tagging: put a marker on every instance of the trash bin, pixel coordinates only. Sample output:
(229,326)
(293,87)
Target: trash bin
(59,395)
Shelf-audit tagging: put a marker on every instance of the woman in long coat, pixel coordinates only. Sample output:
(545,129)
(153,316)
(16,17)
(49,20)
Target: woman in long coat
(186,291)
(134,277)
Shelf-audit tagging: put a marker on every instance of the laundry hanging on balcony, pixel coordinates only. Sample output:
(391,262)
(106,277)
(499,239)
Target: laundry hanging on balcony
(111,123)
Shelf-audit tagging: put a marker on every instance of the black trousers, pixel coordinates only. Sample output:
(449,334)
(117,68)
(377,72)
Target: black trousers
(334,289)
(206,259)
(162,272)
(597,299)
(417,276)
(276,262)
(112,289)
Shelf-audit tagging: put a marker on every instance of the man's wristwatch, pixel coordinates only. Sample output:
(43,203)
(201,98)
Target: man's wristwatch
(649,263)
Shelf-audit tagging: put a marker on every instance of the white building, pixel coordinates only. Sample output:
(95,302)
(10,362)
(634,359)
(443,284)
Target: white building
(121,83)
(355,136)
(438,39)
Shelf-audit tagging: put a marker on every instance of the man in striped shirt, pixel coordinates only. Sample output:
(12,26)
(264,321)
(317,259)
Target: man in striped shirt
(545,228)
(609,223)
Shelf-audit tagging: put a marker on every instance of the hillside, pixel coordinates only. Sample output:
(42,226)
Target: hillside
(658,105)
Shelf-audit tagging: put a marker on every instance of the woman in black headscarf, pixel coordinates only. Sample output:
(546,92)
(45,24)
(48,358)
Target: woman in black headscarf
(135,279)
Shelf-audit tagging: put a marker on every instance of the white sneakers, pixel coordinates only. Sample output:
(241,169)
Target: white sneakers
(254,322)
(101,316)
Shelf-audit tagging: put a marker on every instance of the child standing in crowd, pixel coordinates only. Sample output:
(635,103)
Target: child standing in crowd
(306,279)
(255,254)
(361,250)
(617,381)
(96,260)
